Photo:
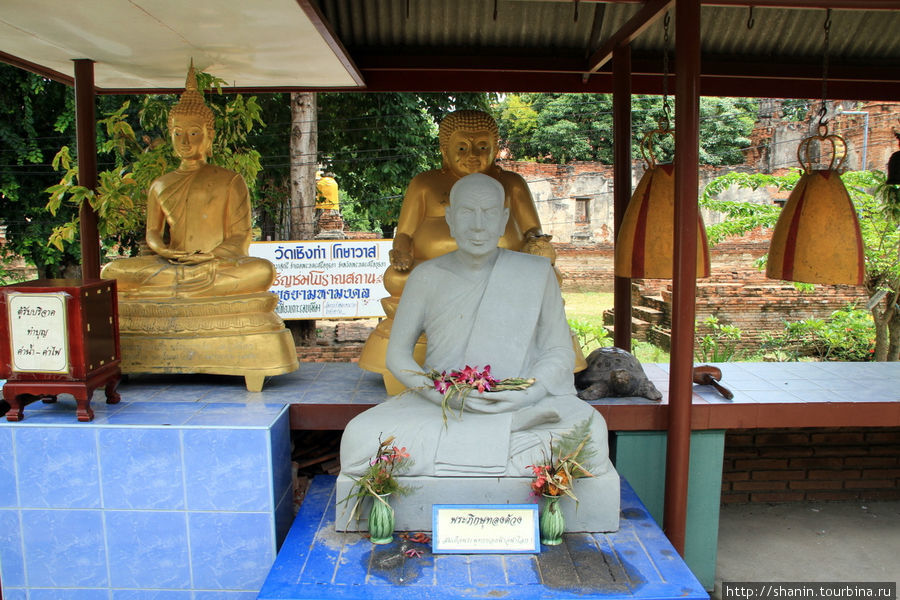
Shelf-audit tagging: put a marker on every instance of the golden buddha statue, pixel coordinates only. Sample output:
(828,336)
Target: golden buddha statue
(198,303)
(204,213)
(327,197)
(469,141)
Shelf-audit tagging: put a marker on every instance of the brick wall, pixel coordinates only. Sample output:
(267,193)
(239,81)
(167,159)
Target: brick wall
(737,292)
(790,465)
(325,352)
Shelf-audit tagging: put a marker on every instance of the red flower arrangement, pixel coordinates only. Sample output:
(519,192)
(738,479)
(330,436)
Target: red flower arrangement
(460,383)
(379,478)
(556,475)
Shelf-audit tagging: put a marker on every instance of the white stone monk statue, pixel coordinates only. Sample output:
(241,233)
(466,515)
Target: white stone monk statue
(469,143)
(479,305)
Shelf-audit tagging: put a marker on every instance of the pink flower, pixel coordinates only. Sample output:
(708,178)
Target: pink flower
(400,453)
(467,375)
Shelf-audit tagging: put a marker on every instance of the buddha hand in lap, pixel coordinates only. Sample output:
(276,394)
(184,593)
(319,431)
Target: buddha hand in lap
(479,305)
(198,221)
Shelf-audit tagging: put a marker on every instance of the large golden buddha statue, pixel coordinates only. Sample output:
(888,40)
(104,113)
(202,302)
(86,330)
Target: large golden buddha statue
(469,141)
(198,221)
(197,303)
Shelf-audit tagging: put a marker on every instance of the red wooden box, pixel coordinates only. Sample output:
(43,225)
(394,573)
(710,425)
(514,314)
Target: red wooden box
(59,336)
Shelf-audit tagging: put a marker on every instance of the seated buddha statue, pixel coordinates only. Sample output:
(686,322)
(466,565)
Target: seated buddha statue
(198,221)
(469,141)
(197,302)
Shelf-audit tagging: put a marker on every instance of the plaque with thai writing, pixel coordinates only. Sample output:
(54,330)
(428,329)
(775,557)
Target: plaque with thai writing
(485,528)
(37,332)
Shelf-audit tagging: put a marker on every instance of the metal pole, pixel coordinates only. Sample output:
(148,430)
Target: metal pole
(621,184)
(684,280)
(86,140)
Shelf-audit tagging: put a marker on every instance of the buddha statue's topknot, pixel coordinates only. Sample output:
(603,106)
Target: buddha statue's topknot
(192,103)
(467,120)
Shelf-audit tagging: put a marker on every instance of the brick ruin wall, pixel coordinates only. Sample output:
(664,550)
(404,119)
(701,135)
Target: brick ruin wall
(737,292)
(811,464)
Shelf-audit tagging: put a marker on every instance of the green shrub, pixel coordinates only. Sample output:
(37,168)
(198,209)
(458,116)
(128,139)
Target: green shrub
(590,335)
(848,334)
(720,344)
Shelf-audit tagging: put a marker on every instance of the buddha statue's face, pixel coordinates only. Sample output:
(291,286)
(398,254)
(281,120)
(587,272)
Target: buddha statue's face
(476,215)
(190,139)
(470,152)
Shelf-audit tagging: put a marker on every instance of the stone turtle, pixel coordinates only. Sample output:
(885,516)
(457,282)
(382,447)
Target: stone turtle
(613,372)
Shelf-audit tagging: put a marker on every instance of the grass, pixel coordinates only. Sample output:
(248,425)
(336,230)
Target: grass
(587,309)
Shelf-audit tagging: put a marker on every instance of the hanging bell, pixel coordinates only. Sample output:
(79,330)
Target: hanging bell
(646,239)
(893,171)
(817,237)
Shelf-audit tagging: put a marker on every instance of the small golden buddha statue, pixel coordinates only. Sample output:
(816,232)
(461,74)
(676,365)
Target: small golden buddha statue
(327,197)
(198,221)
(469,141)
(198,303)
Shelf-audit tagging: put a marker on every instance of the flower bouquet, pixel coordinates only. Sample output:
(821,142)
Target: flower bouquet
(460,383)
(378,482)
(556,476)
(557,473)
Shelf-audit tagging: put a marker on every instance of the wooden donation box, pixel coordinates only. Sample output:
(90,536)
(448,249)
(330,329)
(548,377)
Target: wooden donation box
(60,336)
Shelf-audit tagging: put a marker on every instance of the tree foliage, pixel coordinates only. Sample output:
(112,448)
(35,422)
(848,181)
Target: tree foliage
(563,127)
(375,143)
(35,115)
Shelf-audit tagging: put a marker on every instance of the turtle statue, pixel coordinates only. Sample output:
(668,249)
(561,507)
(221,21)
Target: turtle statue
(613,372)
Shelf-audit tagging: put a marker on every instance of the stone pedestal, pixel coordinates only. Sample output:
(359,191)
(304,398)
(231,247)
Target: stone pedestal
(597,510)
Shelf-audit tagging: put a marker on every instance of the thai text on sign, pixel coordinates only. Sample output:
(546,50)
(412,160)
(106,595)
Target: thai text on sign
(38,336)
(485,528)
(327,278)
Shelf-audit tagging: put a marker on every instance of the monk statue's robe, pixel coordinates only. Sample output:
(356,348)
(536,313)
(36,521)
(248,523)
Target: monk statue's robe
(512,319)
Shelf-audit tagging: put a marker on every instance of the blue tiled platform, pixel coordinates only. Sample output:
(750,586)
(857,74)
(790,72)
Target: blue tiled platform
(637,562)
(156,500)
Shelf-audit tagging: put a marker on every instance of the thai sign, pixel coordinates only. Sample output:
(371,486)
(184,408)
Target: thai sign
(326,279)
(37,332)
(485,528)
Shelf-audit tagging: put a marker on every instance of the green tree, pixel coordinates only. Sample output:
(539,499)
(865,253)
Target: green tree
(36,116)
(564,127)
(375,143)
(271,196)
(877,206)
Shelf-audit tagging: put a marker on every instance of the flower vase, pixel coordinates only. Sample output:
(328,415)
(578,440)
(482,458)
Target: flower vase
(381,520)
(552,522)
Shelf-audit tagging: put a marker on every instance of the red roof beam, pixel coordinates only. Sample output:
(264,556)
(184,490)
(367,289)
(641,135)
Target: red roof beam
(644,18)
